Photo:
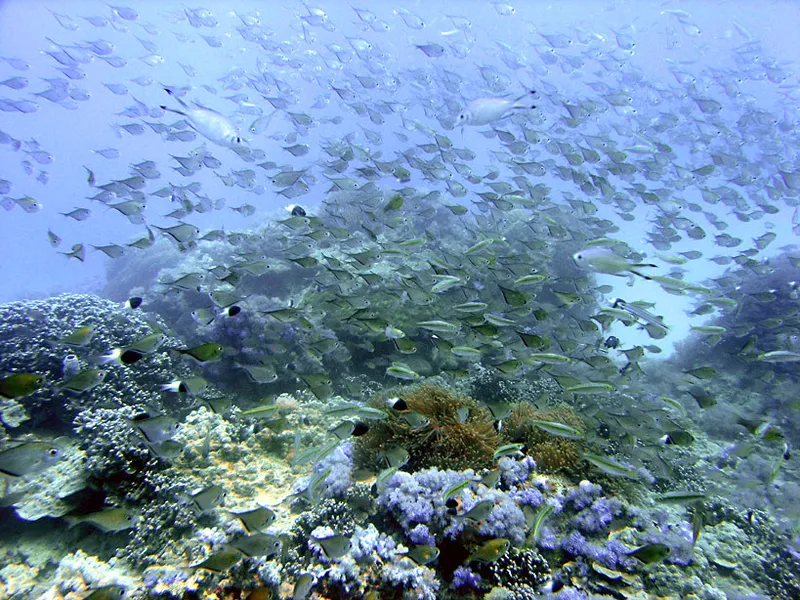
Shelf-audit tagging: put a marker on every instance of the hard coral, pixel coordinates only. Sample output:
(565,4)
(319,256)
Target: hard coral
(523,571)
(448,442)
(552,454)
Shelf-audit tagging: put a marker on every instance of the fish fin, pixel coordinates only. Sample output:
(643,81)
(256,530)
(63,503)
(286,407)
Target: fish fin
(180,112)
(171,93)
(525,105)
(204,107)
(644,265)
(642,275)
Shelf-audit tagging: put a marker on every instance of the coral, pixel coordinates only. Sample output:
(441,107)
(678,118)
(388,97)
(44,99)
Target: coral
(117,459)
(421,536)
(337,515)
(165,582)
(514,472)
(463,577)
(339,480)
(417,498)
(368,540)
(28,334)
(446,442)
(78,572)
(420,583)
(523,571)
(596,513)
(552,454)
(12,413)
(162,522)
(46,494)
(782,573)
(18,581)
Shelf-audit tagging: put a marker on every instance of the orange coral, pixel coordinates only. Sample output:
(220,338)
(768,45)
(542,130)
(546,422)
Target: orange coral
(447,442)
(551,453)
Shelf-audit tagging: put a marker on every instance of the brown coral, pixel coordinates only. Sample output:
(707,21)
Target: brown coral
(551,453)
(447,442)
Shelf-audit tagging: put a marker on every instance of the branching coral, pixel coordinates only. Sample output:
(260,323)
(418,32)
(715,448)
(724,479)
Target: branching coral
(449,441)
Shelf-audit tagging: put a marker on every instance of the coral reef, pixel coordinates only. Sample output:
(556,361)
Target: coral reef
(447,440)
(551,453)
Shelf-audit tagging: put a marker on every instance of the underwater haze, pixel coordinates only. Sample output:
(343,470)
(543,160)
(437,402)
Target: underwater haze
(399,300)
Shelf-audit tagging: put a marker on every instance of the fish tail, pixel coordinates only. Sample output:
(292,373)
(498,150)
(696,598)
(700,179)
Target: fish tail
(166,108)
(527,94)
(642,275)
(171,93)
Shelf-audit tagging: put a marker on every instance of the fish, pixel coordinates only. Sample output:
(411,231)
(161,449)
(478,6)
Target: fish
(28,457)
(80,337)
(168,449)
(108,520)
(156,429)
(19,385)
(677,437)
(79,214)
(192,386)
(549,358)
(207,498)
(258,544)
(334,546)
(132,353)
(650,553)
(490,551)
(611,467)
(302,586)
(400,370)
(479,512)
(83,381)
(640,313)
(539,520)
(604,260)
(133,302)
(514,449)
(208,352)
(107,592)
(212,125)
(779,356)
(590,388)
(454,489)
(483,111)
(396,457)
(221,560)
(256,519)
(558,429)
(680,497)
(346,429)
(423,555)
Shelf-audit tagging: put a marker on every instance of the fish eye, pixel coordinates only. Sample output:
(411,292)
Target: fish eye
(52,452)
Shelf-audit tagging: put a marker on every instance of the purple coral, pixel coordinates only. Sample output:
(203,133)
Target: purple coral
(421,536)
(514,472)
(583,495)
(419,499)
(597,517)
(339,480)
(369,544)
(463,577)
